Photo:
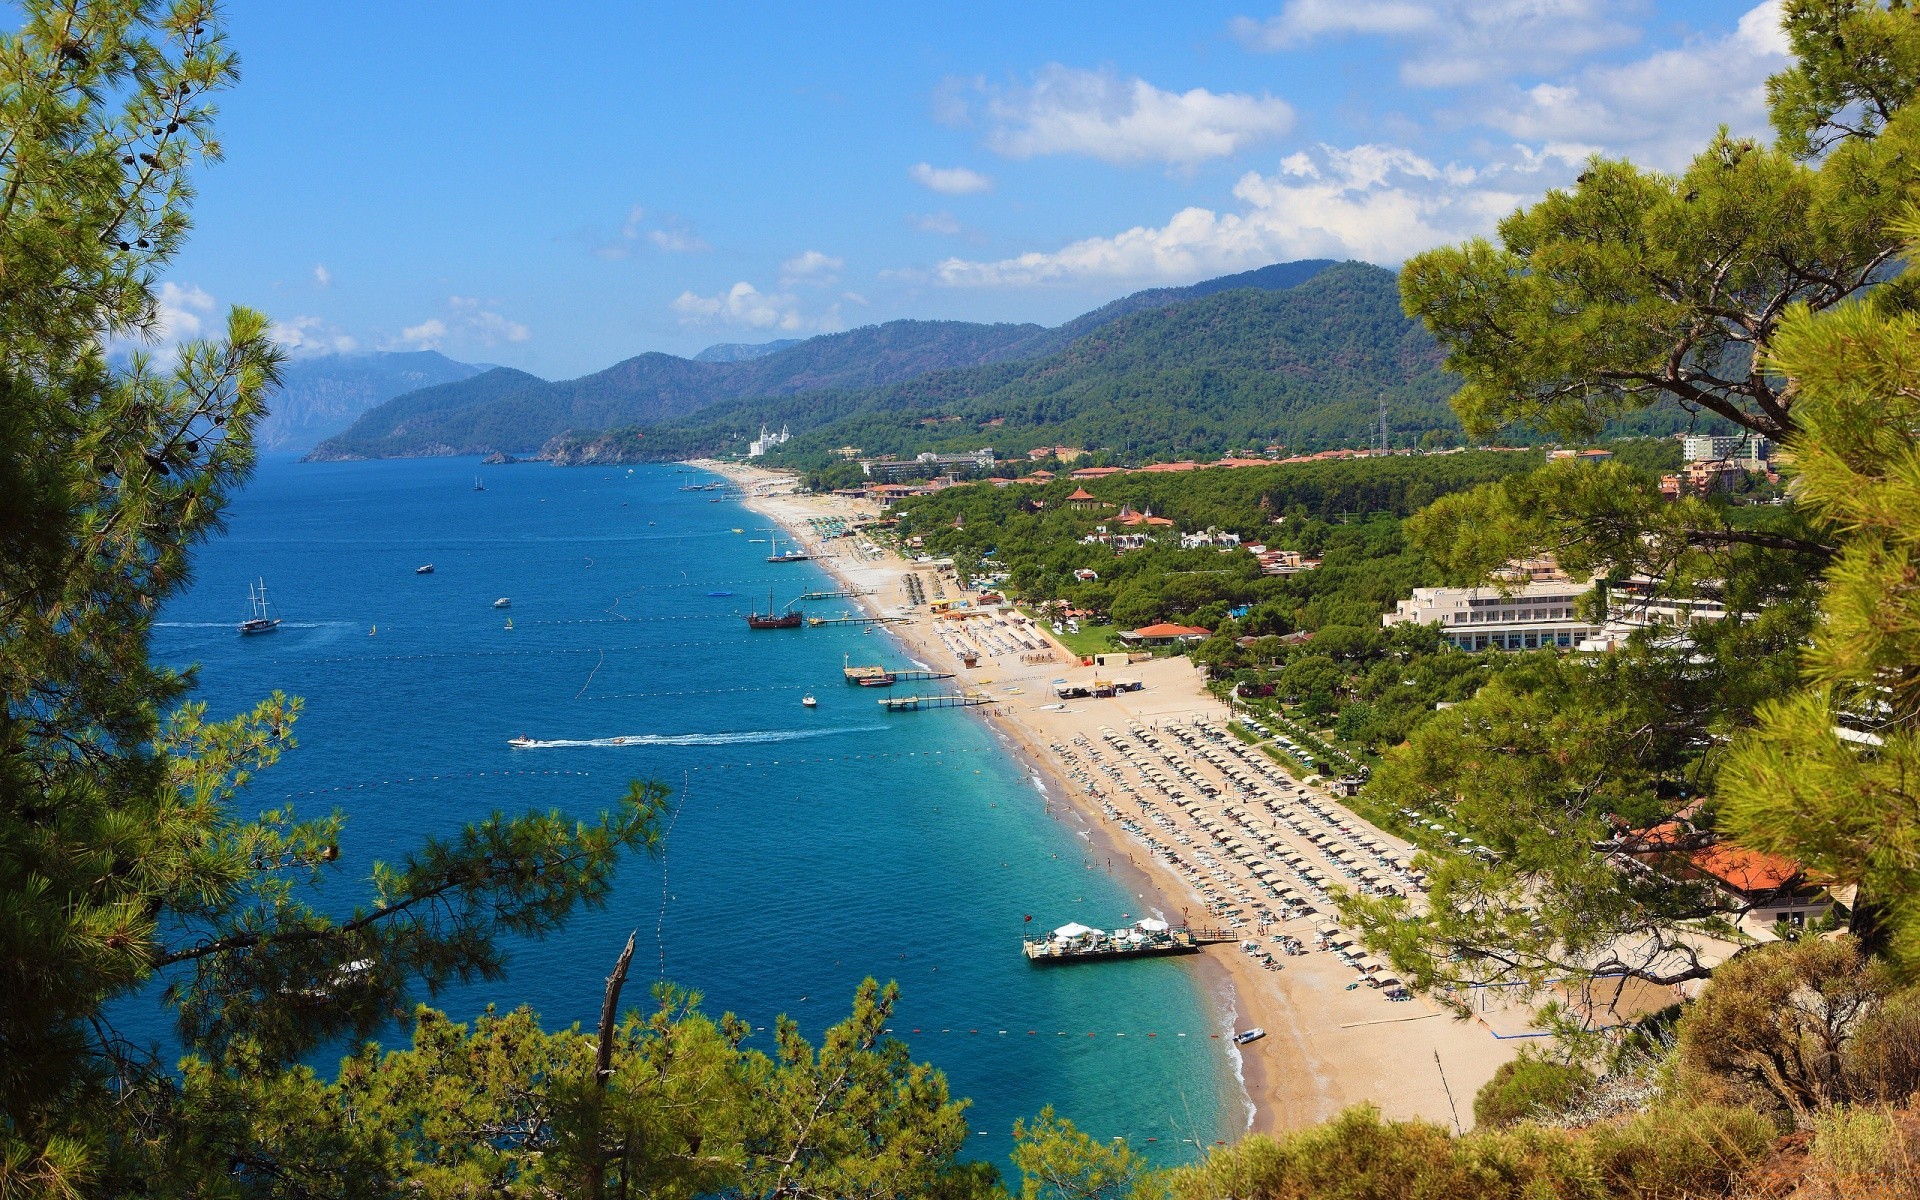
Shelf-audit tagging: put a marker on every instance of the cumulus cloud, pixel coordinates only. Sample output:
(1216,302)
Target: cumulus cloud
(321,276)
(179,312)
(1375,202)
(467,321)
(746,306)
(941,222)
(671,234)
(949,181)
(1127,121)
(811,267)
(312,335)
(1659,110)
(1455,42)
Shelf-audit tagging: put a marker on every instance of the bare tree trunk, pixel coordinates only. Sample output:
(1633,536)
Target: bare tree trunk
(603,1069)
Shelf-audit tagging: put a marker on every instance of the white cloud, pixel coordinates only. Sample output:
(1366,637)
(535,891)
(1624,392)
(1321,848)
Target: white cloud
(427,335)
(949,181)
(1128,121)
(1374,202)
(1455,42)
(321,276)
(468,321)
(1658,110)
(678,238)
(811,267)
(748,307)
(179,313)
(942,222)
(312,335)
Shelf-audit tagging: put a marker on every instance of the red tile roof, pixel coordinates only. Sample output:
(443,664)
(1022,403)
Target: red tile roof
(1165,630)
(1746,870)
(1080,494)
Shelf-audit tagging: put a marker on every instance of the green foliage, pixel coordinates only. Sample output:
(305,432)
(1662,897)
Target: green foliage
(1058,1162)
(506,1108)
(1796,786)
(1546,765)
(1676,1152)
(126,861)
(1638,288)
(1801,1027)
(1529,1088)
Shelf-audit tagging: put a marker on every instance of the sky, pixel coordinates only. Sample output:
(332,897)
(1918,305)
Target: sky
(559,187)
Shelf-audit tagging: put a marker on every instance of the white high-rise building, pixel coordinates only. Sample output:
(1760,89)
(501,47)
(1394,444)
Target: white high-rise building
(767,441)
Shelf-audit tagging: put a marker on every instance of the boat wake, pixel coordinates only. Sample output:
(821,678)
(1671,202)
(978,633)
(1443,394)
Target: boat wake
(743,738)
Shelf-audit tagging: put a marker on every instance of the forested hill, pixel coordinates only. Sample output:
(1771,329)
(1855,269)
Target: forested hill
(513,411)
(1306,366)
(510,410)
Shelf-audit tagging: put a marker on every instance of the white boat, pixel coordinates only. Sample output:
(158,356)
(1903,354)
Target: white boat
(259,622)
(426,569)
(1249,1035)
(809,701)
(503,602)
(523,742)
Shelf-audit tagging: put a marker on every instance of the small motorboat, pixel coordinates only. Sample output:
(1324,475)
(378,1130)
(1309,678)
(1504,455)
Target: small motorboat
(425,569)
(719,593)
(503,602)
(1249,1035)
(523,742)
(809,701)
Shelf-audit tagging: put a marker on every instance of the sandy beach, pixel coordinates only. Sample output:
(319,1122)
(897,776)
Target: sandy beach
(1158,791)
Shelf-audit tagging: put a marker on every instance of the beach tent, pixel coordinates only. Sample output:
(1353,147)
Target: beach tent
(1072,930)
(1152,925)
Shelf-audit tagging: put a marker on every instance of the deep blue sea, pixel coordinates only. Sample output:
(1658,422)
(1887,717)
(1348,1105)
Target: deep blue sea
(811,848)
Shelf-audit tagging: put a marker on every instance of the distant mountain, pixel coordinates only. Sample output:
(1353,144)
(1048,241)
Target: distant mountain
(1195,374)
(320,396)
(520,413)
(742,351)
(512,411)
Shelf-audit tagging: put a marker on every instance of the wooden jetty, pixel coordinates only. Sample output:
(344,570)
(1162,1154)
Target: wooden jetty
(1147,939)
(835,595)
(879,676)
(914,703)
(852,620)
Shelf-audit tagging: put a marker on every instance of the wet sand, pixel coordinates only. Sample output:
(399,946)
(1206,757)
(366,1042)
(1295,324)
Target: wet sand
(1328,1046)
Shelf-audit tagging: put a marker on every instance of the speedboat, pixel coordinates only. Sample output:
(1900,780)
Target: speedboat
(809,701)
(523,742)
(503,602)
(427,569)
(1249,1035)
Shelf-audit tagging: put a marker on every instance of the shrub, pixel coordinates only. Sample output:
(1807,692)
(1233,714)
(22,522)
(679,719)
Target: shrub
(1529,1088)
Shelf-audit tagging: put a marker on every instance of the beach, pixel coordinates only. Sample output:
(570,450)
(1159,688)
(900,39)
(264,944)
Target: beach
(1332,1039)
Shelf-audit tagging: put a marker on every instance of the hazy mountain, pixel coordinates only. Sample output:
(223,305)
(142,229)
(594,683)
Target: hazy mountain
(517,412)
(1198,371)
(742,351)
(320,396)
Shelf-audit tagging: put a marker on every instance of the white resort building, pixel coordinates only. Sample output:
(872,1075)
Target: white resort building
(1526,617)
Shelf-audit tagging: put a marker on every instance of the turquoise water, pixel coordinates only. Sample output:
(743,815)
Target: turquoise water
(812,848)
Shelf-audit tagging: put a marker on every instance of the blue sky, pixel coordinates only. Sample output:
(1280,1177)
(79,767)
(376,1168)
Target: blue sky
(557,187)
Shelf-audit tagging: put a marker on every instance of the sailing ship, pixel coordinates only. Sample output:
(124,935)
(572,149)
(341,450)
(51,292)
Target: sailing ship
(796,554)
(259,622)
(773,619)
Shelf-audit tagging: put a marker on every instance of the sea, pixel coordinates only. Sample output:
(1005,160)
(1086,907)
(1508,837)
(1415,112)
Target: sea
(807,849)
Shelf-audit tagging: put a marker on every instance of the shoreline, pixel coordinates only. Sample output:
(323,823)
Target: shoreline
(1327,1046)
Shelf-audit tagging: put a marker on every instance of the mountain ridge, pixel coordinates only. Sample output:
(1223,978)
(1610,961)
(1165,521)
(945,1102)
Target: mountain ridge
(519,413)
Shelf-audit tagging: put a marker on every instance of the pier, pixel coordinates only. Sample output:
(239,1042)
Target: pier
(914,703)
(1144,939)
(835,595)
(852,620)
(878,676)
